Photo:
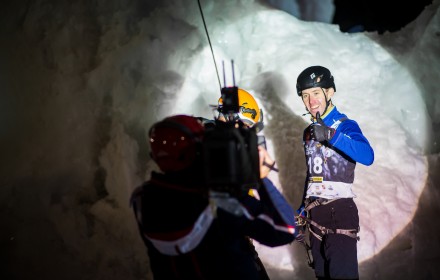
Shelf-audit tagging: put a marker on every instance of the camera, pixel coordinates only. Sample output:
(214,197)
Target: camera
(230,149)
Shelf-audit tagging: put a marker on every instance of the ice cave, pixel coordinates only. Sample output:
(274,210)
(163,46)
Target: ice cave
(82,82)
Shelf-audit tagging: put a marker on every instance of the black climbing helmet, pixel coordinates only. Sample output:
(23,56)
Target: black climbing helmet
(314,76)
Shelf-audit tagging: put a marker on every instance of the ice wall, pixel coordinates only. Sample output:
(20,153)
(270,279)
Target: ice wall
(83,81)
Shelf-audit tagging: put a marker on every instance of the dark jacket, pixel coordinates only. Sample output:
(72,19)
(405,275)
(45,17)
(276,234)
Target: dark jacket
(192,236)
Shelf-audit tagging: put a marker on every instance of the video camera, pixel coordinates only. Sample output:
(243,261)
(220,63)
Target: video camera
(230,149)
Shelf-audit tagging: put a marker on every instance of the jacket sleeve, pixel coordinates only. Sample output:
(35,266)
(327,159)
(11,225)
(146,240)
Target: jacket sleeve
(273,220)
(350,140)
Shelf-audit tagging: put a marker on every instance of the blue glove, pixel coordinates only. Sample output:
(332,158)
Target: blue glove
(301,211)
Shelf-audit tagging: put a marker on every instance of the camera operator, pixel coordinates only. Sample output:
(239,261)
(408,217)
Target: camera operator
(249,115)
(249,112)
(188,233)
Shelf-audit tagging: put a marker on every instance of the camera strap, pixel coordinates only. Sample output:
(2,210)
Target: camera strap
(271,166)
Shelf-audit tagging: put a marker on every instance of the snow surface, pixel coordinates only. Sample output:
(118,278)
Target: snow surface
(83,82)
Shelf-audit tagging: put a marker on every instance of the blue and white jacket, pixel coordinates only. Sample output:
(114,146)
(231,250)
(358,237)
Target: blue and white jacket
(331,165)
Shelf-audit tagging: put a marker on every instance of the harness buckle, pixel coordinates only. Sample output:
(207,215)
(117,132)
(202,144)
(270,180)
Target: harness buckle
(300,220)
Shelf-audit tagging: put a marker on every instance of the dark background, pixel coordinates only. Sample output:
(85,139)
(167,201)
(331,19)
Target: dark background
(376,15)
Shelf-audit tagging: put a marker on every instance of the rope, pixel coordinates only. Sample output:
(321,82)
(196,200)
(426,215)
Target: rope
(210,45)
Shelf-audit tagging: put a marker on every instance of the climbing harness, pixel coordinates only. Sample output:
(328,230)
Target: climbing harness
(305,221)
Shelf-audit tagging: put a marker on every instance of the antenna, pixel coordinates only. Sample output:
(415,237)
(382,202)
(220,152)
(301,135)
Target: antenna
(233,73)
(230,96)
(224,74)
(210,45)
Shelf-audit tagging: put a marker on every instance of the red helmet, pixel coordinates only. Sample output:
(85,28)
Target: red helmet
(175,142)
